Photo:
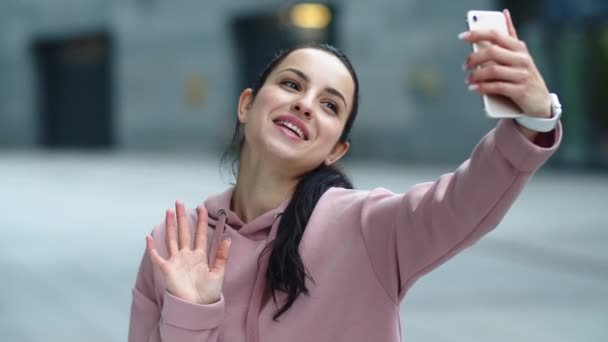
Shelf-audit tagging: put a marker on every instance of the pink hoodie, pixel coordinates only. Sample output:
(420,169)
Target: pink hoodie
(364,250)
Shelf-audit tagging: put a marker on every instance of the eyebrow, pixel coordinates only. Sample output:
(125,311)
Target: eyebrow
(330,90)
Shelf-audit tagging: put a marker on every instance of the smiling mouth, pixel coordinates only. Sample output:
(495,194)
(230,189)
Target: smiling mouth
(293,128)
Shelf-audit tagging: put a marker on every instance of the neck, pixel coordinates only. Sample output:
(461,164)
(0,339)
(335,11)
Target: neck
(260,187)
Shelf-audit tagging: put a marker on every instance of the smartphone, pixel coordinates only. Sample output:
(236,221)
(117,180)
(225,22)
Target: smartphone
(495,106)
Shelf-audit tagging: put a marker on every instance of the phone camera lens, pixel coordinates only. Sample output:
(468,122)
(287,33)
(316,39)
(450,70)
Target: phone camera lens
(475,18)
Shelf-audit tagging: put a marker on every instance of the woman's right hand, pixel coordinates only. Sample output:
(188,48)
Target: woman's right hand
(186,271)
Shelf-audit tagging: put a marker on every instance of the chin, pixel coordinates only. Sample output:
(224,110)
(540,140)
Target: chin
(283,152)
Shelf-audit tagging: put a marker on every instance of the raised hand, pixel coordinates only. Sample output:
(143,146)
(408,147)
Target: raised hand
(186,270)
(512,74)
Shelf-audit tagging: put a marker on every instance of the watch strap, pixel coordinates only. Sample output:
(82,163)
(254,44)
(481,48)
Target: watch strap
(543,124)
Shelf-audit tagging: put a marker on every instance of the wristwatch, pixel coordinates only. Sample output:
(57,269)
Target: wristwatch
(541,124)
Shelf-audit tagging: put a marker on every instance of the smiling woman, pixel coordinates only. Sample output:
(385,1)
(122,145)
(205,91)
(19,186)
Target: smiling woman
(295,92)
(292,251)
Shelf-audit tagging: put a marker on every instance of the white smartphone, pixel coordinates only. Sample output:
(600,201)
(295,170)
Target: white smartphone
(495,106)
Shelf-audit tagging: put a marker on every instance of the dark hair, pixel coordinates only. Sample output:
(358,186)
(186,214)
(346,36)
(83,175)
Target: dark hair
(286,271)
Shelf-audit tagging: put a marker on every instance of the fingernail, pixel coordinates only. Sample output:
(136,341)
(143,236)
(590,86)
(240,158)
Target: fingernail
(464,35)
(229,240)
(473,87)
(464,67)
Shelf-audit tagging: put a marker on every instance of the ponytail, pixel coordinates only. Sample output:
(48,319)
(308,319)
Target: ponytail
(286,271)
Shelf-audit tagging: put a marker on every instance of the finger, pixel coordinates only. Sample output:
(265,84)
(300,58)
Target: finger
(221,257)
(510,26)
(495,37)
(498,55)
(171,233)
(496,72)
(183,227)
(200,239)
(155,258)
(510,90)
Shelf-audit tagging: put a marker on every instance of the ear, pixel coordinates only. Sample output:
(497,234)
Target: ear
(245,102)
(338,152)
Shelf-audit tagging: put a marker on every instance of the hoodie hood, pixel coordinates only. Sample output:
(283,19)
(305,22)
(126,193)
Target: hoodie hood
(258,229)
(263,228)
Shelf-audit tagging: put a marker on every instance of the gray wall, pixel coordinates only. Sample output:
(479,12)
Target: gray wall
(406,53)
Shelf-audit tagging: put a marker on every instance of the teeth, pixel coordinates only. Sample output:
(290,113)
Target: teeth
(292,127)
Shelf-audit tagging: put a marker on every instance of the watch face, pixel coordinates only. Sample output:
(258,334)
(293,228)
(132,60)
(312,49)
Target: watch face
(555,101)
(556,107)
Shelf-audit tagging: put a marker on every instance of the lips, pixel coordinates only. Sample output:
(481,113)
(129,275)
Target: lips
(293,124)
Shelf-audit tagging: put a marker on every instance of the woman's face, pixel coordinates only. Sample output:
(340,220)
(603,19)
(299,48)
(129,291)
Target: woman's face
(299,113)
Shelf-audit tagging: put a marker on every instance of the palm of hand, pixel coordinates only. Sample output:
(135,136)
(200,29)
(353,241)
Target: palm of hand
(186,271)
(188,277)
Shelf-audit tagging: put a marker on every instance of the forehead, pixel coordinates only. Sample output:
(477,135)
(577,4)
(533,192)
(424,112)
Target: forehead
(323,69)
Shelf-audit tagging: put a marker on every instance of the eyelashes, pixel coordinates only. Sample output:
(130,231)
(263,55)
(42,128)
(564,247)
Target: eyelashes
(332,106)
(296,86)
(291,84)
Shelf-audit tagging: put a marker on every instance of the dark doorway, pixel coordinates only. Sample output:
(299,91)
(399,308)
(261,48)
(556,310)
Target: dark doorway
(260,36)
(74,91)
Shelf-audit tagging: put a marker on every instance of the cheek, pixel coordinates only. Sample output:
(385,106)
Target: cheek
(332,129)
(271,97)
(267,101)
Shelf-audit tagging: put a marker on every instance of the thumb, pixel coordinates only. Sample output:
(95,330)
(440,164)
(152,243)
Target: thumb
(510,26)
(154,256)
(221,257)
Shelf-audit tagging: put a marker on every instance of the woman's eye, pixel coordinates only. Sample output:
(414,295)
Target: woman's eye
(332,106)
(292,85)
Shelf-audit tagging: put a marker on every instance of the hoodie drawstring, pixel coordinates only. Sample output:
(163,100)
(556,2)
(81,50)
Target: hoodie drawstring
(217,236)
(255,301)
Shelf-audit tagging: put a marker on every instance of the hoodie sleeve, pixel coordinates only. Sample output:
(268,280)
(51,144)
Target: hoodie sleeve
(159,316)
(408,235)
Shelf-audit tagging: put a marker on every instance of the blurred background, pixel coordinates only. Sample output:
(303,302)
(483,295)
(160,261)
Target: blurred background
(112,109)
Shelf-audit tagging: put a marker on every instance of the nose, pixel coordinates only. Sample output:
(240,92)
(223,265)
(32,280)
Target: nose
(302,108)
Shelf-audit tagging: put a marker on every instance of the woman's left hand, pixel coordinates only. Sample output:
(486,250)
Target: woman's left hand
(507,68)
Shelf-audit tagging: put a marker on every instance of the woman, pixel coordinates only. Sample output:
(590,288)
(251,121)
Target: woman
(291,252)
